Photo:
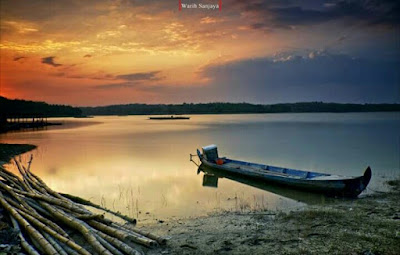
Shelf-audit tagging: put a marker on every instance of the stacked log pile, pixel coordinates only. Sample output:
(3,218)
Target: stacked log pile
(53,223)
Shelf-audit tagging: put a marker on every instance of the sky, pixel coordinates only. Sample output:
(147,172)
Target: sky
(102,52)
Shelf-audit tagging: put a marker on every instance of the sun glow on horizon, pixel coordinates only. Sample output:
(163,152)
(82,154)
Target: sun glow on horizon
(74,52)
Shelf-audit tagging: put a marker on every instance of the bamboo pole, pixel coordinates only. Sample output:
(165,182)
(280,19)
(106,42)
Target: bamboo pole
(89,216)
(8,178)
(76,224)
(68,249)
(59,237)
(33,203)
(107,245)
(13,194)
(9,173)
(123,235)
(55,244)
(47,188)
(116,242)
(52,200)
(38,217)
(25,245)
(159,239)
(30,201)
(88,203)
(24,182)
(36,186)
(45,245)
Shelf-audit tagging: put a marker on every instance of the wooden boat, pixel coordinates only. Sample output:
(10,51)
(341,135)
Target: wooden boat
(211,178)
(328,184)
(169,118)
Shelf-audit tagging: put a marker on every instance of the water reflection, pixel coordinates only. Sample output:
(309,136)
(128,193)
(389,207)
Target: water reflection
(137,166)
(211,176)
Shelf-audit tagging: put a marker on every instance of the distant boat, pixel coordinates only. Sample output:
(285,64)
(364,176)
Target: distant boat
(328,184)
(169,118)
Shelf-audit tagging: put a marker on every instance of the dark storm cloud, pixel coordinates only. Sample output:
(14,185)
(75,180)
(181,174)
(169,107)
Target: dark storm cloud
(50,61)
(317,77)
(323,77)
(133,80)
(139,76)
(295,13)
(87,56)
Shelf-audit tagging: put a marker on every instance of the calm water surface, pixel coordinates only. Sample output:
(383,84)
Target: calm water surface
(141,167)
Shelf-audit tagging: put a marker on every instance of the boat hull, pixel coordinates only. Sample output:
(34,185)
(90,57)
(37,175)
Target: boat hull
(345,187)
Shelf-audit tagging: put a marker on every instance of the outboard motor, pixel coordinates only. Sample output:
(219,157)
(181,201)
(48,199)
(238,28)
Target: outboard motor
(210,152)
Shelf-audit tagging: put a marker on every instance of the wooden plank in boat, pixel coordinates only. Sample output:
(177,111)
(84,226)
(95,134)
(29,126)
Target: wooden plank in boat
(257,169)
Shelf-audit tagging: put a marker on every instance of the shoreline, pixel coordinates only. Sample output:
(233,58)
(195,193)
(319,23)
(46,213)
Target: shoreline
(7,127)
(8,151)
(367,225)
(64,124)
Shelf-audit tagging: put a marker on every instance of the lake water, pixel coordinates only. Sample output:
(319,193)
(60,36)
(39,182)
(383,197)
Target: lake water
(141,167)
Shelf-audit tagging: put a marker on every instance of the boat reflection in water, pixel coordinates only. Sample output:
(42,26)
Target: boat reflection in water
(211,176)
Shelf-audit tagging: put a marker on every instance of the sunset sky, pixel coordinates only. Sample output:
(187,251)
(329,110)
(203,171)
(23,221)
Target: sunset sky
(100,52)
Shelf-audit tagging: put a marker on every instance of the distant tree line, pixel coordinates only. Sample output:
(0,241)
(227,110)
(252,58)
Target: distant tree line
(231,108)
(23,108)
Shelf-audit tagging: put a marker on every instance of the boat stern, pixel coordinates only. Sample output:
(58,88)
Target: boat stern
(210,152)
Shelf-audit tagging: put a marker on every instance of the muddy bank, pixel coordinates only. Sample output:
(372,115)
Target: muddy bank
(8,151)
(368,225)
